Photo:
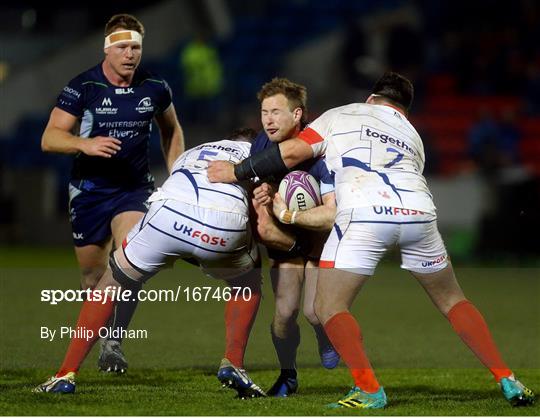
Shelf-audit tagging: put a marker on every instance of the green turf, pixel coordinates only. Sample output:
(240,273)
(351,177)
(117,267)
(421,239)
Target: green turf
(424,367)
(197,392)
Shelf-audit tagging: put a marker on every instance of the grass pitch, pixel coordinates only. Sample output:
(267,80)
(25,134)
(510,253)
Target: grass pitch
(423,365)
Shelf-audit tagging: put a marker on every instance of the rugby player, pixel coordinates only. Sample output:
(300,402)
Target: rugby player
(382,200)
(188,218)
(294,260)
(114,104)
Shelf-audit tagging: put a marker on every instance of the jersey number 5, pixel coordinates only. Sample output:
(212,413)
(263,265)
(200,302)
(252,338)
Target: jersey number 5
(205,153)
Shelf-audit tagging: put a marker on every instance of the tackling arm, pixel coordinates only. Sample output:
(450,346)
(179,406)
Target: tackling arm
(273,160)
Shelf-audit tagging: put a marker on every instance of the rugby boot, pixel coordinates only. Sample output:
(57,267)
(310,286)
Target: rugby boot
(515,392)
(235,378)
(111,358)
(357,398)
(63,384)
(284,386)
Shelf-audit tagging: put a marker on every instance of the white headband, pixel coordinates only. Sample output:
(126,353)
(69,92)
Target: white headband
(123,36)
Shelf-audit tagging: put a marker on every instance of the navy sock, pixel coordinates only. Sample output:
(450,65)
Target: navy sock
(286,350)
(123,312)
(322,338)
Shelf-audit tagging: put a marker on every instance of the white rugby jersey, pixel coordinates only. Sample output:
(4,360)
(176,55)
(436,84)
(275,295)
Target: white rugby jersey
(189,183)
(376,154)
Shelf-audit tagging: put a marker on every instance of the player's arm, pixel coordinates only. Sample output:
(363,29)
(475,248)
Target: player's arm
(58,137)
(172,136)
(273,160)
(295,151)
(263,194)
(319,218)
(269,231)
(265,226)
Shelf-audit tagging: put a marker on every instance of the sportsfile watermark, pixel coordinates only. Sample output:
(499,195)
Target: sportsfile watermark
(117,294)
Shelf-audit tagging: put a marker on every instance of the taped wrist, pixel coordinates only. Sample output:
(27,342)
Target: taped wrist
(287,216)
(262,164)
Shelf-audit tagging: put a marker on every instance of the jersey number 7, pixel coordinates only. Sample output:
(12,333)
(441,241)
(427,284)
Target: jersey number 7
(396,160)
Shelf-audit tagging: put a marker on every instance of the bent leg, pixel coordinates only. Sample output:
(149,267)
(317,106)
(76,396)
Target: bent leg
(92,261)
(445,292)
(287,278)
(442,288)
(94,315)
(328,355)
(124,310)
(310,289)
(240,313)
(336,290)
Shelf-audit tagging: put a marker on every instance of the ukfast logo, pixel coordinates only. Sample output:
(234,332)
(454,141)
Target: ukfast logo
(385,138)
(389,210)
(435,262)
(205,238)
(106,107)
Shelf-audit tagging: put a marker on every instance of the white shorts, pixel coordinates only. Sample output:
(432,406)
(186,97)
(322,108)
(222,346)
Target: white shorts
(361,236)
(220,242)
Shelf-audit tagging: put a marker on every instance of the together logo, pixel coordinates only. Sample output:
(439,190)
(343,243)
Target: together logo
(385,138)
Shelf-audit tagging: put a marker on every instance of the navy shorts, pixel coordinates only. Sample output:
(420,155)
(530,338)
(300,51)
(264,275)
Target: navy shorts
(309,247)
(92,208)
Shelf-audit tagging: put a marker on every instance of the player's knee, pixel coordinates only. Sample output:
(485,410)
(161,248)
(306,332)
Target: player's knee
(90,276)
(309,313)
(122,278)
(285,314)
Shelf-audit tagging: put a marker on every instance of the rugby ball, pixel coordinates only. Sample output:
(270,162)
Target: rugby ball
(300,191)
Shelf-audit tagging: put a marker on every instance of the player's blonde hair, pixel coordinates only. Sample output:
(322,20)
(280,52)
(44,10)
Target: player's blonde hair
(123,21)
(296,94)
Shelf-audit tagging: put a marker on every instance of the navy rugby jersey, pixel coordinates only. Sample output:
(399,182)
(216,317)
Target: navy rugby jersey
(124,113)
(314,166)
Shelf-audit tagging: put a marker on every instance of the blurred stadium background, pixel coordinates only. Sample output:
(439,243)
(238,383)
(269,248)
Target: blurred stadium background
(475,65)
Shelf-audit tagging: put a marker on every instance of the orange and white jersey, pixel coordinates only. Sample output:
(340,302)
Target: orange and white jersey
(376,154)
